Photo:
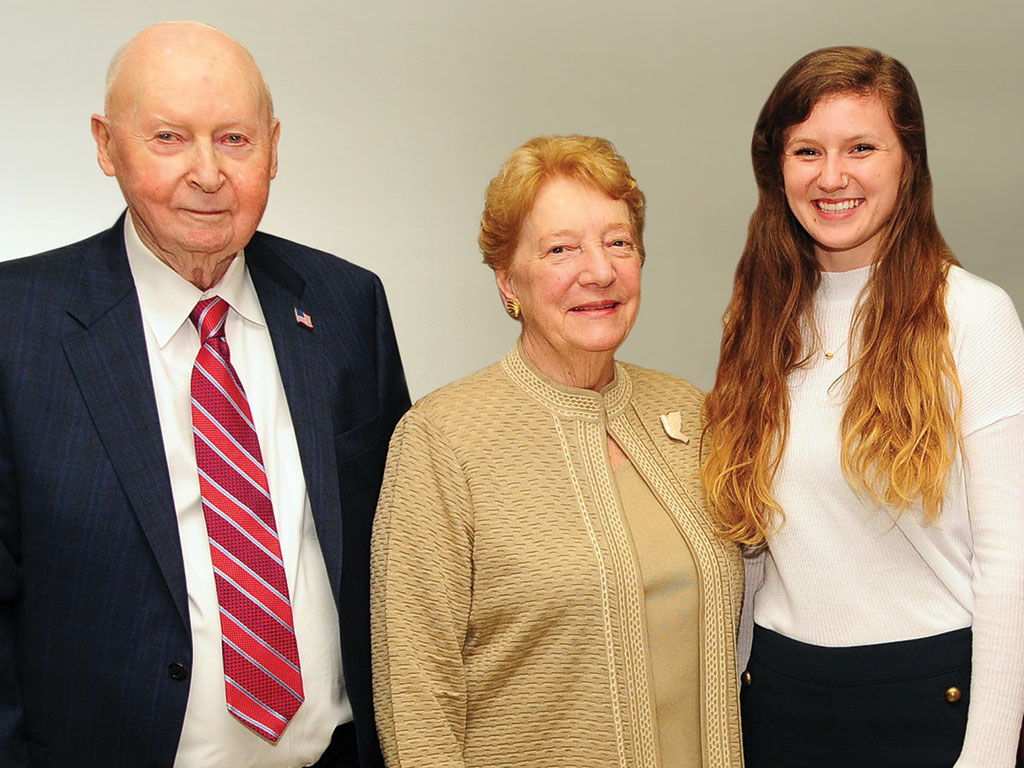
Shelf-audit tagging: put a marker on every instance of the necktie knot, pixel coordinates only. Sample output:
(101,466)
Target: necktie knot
(208,318)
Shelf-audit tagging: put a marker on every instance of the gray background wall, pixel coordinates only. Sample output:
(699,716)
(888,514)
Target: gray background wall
(396,114)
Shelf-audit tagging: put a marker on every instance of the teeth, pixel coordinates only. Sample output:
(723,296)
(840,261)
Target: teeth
(845,205)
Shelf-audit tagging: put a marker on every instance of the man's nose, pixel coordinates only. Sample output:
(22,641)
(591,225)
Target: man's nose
(205,173)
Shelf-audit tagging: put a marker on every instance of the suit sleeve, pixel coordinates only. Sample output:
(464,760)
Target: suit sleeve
(13,750)
(393,393)
(421,590)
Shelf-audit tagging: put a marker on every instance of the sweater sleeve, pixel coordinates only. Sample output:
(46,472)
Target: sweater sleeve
(990,364)
(421,589)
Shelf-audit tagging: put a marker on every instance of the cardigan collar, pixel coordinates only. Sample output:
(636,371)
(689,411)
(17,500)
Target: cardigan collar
(568,402)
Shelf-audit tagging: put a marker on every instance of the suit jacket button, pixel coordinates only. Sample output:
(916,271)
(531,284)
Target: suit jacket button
(177,671)
(953,694)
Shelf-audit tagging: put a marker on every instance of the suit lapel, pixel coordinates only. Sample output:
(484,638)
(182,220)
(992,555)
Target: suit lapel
(106,350)
(302,362)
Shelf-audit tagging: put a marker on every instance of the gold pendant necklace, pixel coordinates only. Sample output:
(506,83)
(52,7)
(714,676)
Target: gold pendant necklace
(830,355)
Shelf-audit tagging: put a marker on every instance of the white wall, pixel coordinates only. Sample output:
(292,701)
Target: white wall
(396,114)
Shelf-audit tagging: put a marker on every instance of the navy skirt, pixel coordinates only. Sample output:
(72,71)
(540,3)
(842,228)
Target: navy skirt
(891,704)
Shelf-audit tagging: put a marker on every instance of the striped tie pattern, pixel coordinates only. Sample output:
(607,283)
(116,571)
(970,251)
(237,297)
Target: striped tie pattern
(262,679)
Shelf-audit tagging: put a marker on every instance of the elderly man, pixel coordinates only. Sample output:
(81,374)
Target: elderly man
(193,422)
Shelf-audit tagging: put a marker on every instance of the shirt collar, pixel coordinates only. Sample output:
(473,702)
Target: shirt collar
(167,299)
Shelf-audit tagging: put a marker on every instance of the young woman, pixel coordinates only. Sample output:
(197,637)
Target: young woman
(867,431)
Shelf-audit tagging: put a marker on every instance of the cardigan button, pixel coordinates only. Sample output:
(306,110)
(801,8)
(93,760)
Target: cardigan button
(747,679)
(953,694)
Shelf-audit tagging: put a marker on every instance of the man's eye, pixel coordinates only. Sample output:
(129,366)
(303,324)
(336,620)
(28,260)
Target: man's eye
(557,250)
(165,136)
(620,244)
(234,138)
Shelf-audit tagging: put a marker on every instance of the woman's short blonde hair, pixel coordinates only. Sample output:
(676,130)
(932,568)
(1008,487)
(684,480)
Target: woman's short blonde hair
(511,193)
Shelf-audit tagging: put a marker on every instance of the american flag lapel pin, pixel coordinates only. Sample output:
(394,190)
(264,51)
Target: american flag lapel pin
(303,319)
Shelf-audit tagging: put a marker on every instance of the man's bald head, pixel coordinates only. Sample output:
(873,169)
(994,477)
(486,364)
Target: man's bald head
(172,38)
(190,134)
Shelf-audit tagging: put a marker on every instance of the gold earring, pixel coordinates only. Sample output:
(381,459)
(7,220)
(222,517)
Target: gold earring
(512,307)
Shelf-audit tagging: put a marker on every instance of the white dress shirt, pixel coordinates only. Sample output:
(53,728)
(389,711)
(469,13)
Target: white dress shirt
(211,736)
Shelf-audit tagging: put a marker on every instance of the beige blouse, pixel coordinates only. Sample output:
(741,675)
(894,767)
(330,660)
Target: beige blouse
(672,619)
(507,597)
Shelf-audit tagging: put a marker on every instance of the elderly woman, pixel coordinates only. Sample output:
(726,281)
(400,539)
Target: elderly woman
(546,587)
(868,428)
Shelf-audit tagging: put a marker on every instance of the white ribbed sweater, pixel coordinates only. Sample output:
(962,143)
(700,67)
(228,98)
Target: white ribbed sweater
(840,572)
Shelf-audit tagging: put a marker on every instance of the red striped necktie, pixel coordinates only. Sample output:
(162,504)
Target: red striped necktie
(262,679)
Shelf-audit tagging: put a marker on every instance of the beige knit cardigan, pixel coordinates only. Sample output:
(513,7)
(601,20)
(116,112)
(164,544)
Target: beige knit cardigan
(507,602)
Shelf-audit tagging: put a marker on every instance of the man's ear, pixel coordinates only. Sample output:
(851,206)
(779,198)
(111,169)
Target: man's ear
(104,137)
(275,134)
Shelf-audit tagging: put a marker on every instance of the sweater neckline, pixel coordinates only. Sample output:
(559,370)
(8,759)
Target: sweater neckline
(843,286)
(569,402)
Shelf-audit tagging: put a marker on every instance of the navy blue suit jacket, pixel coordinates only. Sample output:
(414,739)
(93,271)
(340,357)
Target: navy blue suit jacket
(95,644)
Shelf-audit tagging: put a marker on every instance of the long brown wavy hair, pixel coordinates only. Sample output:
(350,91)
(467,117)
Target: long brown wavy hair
(901,424)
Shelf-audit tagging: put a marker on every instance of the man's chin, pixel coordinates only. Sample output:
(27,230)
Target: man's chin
(205,245)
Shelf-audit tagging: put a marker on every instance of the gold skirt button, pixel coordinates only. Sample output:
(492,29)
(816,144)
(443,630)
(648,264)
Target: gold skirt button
(747,678)
(953,694)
